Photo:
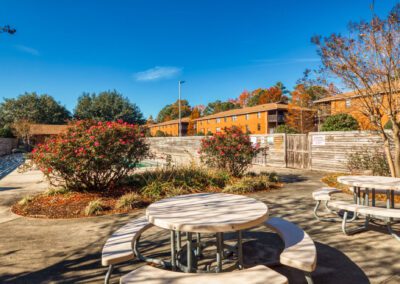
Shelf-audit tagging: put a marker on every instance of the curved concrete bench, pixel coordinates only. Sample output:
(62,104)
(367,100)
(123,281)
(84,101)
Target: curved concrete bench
(152,275)
(386,213)
(119,247)
(323,194)
(300,251)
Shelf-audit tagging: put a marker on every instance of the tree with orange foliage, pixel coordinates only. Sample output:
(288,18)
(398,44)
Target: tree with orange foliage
(243,98)
(191,127)
(300,117)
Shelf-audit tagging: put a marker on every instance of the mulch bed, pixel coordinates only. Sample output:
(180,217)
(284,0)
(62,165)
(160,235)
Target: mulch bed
(71,205)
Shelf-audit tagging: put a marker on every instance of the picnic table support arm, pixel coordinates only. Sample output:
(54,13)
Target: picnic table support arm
(220,251)
(389,227)
(319,218)
(308,277)
(173,250)
(148,259)
(108,275)
(198,250)
(240,250)
(355,230)
(189,251)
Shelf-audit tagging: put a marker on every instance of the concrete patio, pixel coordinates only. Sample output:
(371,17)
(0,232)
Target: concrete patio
(68,251)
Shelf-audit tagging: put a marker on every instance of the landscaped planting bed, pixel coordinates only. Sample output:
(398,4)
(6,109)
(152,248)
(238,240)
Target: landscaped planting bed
(139,190)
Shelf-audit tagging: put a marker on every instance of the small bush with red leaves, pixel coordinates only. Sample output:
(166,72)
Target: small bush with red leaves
(91,155)
(232,151)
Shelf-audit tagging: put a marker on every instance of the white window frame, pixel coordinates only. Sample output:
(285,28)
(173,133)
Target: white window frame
(234,117)
(348,103)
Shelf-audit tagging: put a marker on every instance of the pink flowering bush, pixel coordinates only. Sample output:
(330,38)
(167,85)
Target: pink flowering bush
(231,151)
(91,155)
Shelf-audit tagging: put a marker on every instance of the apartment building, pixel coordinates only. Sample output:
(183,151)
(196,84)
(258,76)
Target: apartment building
(170,128)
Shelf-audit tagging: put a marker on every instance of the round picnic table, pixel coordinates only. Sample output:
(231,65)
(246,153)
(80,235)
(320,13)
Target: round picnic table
(389,185)
(215,213)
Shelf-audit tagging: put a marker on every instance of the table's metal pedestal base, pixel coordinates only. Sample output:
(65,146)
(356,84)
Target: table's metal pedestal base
(193,252)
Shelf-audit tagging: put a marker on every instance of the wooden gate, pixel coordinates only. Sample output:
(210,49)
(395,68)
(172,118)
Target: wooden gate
(297,151)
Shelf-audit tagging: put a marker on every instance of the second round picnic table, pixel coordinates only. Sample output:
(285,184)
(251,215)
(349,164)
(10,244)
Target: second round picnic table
(373,184)
(215,213)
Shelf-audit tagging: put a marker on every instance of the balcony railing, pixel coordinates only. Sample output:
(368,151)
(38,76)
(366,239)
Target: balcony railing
(276,118)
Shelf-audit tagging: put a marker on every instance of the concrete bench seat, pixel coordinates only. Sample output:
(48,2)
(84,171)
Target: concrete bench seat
(323,195)
(119,247)
(299,251)
(369,211)
(151,275)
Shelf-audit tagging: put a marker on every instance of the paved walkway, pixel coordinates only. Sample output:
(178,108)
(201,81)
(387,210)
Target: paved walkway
(68,251)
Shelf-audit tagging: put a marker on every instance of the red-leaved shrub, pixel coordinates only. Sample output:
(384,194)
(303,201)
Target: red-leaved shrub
(232,151)
(91,155)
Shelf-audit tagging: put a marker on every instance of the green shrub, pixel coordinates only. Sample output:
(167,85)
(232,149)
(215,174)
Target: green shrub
(6,132)
(94,207)
(90,155)
(26,200)
(340,122)
(368,159)
(248,185)
(283,128)
(272,176)
(160,133)
(231,151)
(172,180)
(130,201)
(200,133)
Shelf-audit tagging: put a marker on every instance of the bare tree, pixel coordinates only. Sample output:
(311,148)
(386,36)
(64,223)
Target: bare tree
(367,61)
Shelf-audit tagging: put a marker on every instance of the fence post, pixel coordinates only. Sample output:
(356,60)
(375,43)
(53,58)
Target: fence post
(285,148)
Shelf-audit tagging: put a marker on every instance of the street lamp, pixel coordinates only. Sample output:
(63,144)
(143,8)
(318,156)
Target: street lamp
(179,108)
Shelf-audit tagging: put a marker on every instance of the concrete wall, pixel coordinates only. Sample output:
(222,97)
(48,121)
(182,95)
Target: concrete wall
(6,145)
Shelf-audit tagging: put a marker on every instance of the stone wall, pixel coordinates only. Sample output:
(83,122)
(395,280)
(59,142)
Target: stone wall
(6,145)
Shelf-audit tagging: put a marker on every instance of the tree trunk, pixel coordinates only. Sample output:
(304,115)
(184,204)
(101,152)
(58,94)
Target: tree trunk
(386,146)
(396,141)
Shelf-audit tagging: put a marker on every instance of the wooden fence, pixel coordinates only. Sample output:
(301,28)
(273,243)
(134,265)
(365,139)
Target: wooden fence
(322,151)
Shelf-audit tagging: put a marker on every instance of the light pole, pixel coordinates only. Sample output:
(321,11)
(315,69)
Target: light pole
(179,107)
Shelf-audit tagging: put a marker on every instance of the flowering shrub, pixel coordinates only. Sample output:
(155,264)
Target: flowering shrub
(90,155)
(231,150)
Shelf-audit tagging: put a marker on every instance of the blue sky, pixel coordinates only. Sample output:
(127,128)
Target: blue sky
(142,48)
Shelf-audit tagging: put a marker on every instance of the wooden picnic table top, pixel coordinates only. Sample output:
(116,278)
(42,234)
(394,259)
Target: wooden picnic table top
(207,213)
(372,182)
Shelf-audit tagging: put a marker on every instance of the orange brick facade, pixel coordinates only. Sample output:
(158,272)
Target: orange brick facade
(255,123)
(351,105)
(169,128)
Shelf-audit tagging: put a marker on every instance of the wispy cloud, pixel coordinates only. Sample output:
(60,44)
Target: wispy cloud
(27,49)
(278,61)
(157,73)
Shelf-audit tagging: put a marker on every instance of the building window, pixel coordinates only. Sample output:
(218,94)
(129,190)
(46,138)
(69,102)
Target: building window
(234,118)
(208,121)
(247,116)
(218,129)
(258,127)
(348,103)
(258,114)
(247,128)
(225,119)
(218,120)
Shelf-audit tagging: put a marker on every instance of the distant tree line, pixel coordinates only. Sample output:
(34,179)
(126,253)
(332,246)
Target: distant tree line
(44,109)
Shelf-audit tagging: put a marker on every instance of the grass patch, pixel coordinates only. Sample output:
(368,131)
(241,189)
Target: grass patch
(57,191)
(94,207)
(129,201)
(26,200)
(248,184)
